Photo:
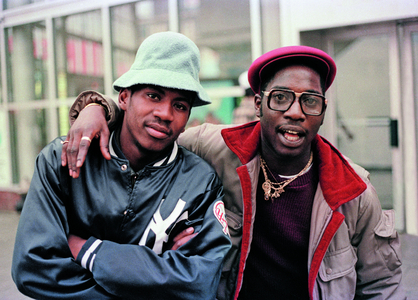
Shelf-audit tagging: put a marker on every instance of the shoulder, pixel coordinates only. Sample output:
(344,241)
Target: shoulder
(202,132)
(194,161)
(52,151)
(362,172)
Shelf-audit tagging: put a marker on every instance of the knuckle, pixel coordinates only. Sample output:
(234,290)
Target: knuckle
(84,144)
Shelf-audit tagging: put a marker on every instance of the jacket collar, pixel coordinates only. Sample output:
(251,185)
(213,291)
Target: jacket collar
(114,149)
(244,141)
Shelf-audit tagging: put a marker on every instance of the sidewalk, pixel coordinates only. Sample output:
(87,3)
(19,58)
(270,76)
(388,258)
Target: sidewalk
(8,225)
(10,219)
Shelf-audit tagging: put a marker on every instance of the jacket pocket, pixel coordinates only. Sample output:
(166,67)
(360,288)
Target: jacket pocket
(338,264)
(337,275)
(387,239)
(234,223)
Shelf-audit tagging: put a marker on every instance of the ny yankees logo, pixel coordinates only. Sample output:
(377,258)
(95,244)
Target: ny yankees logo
(160,226)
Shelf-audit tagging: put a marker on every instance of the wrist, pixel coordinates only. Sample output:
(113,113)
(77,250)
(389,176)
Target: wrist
(88,252)
(106,112)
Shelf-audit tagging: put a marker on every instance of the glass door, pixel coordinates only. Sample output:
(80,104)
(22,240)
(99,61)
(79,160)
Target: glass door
(365,107)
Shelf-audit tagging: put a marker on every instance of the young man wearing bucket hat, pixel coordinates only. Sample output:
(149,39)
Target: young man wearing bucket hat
(108,233)
(305,221)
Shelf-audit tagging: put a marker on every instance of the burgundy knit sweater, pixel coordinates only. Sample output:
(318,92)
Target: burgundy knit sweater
(277,266)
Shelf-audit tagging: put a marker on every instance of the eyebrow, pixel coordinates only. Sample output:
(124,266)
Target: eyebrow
(286,88)
(181,97)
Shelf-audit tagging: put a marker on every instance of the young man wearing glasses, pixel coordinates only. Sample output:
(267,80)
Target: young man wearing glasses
(305,221)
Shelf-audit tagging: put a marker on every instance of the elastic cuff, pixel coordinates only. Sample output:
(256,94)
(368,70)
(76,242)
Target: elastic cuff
(87,254)
(88,97)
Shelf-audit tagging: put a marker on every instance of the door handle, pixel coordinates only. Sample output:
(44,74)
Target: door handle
(393,127)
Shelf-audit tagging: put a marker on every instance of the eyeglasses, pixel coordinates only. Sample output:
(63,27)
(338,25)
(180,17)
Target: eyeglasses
(281,100)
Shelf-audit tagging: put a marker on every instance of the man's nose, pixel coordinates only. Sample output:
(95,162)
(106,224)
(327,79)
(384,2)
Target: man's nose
(295,111)
(164,111)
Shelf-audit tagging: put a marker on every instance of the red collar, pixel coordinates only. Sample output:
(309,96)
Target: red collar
(339,182)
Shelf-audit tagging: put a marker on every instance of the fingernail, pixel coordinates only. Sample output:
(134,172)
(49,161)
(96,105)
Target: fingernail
(190,230)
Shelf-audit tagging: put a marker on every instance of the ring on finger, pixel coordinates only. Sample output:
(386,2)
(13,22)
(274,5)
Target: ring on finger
(86,138)
(64,142)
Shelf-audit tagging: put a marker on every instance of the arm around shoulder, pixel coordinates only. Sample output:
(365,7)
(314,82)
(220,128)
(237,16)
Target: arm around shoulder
(88,97)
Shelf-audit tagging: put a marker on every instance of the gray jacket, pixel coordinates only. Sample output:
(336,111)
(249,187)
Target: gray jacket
(354,250)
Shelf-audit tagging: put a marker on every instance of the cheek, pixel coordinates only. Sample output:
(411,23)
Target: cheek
(181,121)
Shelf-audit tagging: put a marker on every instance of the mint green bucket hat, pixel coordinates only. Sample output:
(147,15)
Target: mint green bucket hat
(167,59)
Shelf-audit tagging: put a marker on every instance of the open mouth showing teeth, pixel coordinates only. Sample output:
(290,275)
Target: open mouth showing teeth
(291,135)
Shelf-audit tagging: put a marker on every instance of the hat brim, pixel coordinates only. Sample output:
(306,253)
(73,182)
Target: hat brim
(163,78)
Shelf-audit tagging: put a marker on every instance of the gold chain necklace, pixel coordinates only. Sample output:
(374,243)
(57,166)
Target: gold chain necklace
(278,187)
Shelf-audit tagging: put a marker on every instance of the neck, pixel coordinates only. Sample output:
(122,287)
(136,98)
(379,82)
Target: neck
(139,157)
(286,165)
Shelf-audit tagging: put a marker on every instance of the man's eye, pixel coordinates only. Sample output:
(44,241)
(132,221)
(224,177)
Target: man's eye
(280,97)
(154,96)
(181,106)
(311,101)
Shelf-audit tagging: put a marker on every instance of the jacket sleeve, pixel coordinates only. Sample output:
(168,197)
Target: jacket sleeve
(378,251)
(191,272)
(88,97)
(42,266)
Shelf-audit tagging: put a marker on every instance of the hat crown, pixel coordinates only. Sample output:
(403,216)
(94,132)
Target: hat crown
(166,59)
(317,59)
(169,51)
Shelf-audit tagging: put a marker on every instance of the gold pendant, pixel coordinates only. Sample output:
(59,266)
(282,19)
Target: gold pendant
(267,189)
(277,192)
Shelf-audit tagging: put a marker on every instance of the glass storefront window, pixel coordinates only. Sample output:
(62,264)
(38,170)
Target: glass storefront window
(27,138)
(221,30)
(79,53)
(7,4)
(130,25)
(27,62)
(79,58)
(26,58)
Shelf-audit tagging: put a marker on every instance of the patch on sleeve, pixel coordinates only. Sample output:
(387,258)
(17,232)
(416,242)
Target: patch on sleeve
(219,212)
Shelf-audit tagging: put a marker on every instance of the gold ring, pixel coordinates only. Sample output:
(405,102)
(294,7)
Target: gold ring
(86,138)
(64,142)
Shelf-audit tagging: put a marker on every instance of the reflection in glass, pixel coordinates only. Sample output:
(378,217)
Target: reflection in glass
(79,58)
(79,53)
(130,25)
(27,81)
(27,62)
(28,135)
(221,30)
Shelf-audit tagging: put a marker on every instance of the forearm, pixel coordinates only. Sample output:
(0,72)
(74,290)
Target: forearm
(85,98)
(136,272)
(43,267)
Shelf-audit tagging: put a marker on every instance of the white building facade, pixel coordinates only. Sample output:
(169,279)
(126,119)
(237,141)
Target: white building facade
(51,50)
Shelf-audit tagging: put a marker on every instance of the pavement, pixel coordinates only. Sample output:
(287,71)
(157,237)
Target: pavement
(8,291)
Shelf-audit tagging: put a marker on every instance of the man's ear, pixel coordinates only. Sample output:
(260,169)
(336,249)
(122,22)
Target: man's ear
(257,105)
(124,96)
(323,116)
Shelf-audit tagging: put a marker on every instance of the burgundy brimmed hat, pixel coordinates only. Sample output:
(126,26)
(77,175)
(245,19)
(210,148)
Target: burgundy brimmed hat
(312,57)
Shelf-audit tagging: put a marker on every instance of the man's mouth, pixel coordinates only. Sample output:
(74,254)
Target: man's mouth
(291,135)
(157,131)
